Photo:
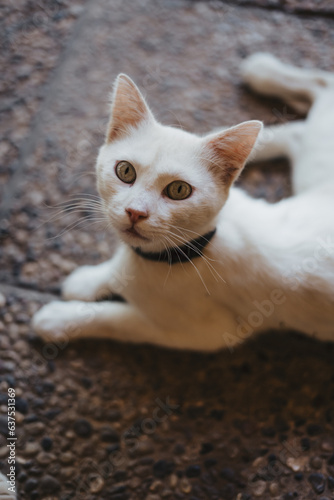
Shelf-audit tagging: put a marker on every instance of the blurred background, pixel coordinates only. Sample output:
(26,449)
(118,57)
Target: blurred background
(253,423)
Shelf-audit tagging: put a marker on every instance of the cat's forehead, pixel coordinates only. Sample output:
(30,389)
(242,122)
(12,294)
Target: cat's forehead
(164,147)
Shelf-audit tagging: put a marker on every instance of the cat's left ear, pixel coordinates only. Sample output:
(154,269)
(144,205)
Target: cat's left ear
(128,110)
(228,151)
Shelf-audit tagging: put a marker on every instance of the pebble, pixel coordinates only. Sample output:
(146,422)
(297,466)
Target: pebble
(259,488)
(273,489)
(67,472)
(31,449)
(49,485)
(294,464)
(156,485)
(228,491)
(268,431)
(210,462)
(173,480)
(120,476)
(326,446)
(114,490)
(19,417)
(109,435)
(179,449)
(316,462)
(30,485)
(317,481)
(35,471)
(4,341)
(228,474)
(185,486)
(162,468)
(258,462)
(22,477)
(47,443)
(35,428)
(314,429)
(114,415)
(142,470)
(67,458)
(142,448)
(83,428)
(8,318)
(70,435)
(3,452)
(305,444)
(134,483)
(96,484)
(193,471)
(206,448)
(2,300)
(7,366)
(166,493)
(330,483)
(44,458)
(152,497)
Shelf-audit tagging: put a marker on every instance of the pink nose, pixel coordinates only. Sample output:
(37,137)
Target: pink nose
(136,215)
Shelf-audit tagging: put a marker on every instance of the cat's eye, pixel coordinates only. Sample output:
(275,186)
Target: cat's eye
(178,190)
(126,172)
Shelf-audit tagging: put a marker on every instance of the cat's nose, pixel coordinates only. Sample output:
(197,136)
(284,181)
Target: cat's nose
(136,215)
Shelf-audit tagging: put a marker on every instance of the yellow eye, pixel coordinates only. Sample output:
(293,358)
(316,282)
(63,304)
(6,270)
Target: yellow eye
(178,190)
(126,172)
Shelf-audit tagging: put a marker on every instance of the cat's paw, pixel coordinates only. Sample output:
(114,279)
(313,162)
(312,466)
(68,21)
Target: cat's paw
(86,283)
(60,320)
(5,492)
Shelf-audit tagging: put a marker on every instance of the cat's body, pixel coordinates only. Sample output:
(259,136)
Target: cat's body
(266,266)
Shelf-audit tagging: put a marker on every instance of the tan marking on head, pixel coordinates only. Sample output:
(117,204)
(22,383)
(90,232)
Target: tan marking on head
(129,108)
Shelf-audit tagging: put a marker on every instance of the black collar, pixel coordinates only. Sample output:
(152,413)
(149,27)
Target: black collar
(184,253)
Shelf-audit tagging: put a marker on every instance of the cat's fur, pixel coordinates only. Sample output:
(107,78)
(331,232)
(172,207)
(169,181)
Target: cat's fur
(267,266)
(5,493)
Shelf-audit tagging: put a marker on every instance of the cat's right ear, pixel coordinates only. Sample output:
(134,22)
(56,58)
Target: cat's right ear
(128,110)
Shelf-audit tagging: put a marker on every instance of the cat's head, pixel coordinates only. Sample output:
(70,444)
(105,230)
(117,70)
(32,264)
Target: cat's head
(162,186)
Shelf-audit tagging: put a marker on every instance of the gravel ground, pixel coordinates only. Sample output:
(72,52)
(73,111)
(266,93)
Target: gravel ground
(99,420)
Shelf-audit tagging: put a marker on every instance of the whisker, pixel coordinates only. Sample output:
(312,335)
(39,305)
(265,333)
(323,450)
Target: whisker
(195,267)
(213,271)
(169,262)
(182,229)
(69,211)
(75,225)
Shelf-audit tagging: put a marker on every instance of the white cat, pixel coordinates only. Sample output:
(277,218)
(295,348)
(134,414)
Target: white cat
(202,265)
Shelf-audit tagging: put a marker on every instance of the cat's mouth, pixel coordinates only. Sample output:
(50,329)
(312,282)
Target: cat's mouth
(133,232)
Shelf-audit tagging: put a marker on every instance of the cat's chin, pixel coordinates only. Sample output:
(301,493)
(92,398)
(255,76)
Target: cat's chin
(139,241)
(134,234)
(134,238)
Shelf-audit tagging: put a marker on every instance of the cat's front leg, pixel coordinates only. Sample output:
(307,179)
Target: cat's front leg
(62,322)
(89,283)
(7,488)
